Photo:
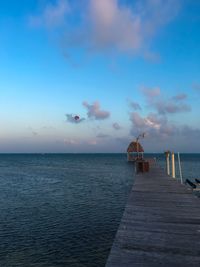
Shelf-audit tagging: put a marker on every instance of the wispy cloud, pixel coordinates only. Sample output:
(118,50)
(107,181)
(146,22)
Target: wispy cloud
(71,141)
(109,25)
(113,26)
(196,86)
(190,133)
(162,105)
(52,16)
(48,128)
(179,97)
(102,135)
(126,28)
(33,132)
(150,93)
(170,107)
(116,126)
(71,118)
(94,111)
(74,142)
(135,105)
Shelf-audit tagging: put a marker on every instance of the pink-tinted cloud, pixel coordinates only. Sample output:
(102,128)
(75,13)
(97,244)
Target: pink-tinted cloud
(152,121)
(113,26)
(137,120)
(116,126)
(52,15)
(151,93)
(160,130)
(94,111)
(153,125)
(127,28)
(109,25)
(92,142)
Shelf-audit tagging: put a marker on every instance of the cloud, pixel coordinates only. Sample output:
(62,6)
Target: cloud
(151,93)
(179,97)
(71,119)
(78,142)
(153,125)
(34,133)
(196,86)
(95,112)
(135,105)
(127,28)
(160,131)
(125,140)
(190,133)
(113,26)
(71,141)
(150,122)
(101,135)
(109,25)
(52,15)
(171,107)
(116,126)
(48,128)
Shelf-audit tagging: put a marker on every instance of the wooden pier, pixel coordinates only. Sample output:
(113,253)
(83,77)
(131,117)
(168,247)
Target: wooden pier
(160,225)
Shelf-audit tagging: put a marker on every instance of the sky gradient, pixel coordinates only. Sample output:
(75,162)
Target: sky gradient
(124,67)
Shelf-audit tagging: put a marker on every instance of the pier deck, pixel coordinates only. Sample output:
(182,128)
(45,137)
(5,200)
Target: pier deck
(160,225)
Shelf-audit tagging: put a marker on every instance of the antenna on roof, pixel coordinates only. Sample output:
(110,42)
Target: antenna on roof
(140,135)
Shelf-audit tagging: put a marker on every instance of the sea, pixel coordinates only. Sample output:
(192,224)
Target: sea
(64,209)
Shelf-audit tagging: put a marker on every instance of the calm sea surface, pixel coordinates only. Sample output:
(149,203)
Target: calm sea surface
(64,209)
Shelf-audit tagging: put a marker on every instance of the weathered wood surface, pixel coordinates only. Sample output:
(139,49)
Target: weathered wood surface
(160,225)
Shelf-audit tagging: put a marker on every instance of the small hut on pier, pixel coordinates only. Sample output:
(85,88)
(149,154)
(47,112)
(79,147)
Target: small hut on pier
(134,151)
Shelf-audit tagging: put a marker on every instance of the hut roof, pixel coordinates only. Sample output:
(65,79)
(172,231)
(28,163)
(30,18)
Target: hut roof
(135,147)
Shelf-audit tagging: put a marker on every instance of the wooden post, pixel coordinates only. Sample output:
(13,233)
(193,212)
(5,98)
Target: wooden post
(173,166)
(180,170)
(167,162)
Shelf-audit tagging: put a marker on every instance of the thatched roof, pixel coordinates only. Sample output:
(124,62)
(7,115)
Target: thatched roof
(135,147)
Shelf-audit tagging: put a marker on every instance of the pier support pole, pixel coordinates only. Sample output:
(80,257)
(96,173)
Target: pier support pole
(167,162)
(173,166)
(180,170)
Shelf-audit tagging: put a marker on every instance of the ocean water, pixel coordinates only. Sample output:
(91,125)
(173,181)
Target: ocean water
(61,210)
(64,209)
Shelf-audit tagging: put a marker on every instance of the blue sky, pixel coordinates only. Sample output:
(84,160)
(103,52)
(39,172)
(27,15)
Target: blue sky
(124,67)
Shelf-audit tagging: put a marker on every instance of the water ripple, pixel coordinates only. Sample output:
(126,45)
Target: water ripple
(61,210)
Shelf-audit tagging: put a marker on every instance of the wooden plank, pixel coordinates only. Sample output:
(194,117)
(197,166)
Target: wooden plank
(160,225)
